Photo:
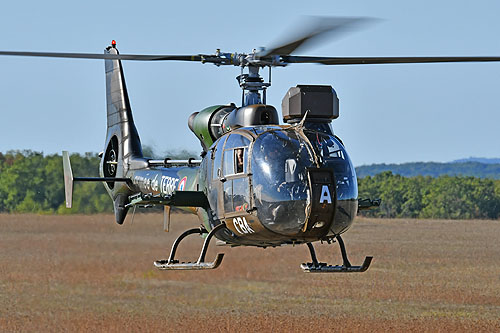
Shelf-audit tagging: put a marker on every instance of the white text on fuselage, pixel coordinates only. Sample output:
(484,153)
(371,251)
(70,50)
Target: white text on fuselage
(166,185)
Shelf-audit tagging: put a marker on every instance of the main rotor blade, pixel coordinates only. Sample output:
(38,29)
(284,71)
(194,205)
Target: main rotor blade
(315,29)
(139,57)
(381,60)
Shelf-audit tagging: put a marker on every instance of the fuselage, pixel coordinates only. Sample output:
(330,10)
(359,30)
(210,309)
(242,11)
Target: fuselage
(271,185)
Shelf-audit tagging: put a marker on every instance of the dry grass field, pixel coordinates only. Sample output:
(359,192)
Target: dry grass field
(85,273)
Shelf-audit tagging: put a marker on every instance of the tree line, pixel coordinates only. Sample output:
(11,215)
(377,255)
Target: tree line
(444,197)
(33,183)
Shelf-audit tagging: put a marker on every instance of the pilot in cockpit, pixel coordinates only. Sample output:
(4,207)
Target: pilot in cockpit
(238,152)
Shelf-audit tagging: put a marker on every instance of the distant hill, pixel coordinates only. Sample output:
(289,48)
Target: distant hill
(434,169)
(478,159)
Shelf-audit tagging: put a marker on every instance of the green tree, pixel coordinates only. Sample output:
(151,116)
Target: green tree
(30,182)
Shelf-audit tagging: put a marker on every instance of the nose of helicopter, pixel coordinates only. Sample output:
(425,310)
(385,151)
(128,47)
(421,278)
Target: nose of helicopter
(296,196)
(293,197)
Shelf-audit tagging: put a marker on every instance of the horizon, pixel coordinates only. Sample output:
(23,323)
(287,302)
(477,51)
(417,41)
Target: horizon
(156,154)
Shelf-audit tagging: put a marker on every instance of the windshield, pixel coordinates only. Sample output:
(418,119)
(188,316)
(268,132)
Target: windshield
(281,193)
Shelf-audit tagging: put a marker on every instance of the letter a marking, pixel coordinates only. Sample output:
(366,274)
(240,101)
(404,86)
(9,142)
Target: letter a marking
(325,195)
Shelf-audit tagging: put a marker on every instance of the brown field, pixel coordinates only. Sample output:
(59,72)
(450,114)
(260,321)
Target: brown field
(85,273)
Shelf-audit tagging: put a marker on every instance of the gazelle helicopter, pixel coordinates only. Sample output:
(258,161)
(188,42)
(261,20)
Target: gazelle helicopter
(258,182)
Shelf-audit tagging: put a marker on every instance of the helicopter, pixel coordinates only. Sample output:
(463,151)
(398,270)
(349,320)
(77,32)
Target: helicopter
(258,182)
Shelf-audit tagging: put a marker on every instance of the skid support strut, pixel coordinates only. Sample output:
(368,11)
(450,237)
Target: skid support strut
(346,267)
(171,263)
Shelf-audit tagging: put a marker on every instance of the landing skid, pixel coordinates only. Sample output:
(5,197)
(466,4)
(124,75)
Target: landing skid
(171,263)
(346,267)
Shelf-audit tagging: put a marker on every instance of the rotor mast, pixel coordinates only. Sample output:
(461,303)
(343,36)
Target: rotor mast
(251,84)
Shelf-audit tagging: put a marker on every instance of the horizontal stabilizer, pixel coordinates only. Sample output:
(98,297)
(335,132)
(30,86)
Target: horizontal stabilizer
(69,179)
(102,179)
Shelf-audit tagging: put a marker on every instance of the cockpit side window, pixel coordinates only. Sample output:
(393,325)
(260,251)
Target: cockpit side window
(236,188)
(236,155)
(235,161)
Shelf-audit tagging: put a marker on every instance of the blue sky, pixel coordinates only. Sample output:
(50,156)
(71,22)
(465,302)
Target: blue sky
(388,113)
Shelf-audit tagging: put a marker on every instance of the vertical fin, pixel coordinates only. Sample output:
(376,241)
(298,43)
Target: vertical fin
(119,113)
(123,149)
(68,179)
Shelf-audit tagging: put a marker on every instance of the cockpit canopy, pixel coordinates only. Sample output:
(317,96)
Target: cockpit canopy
(265,168)
(280,159)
